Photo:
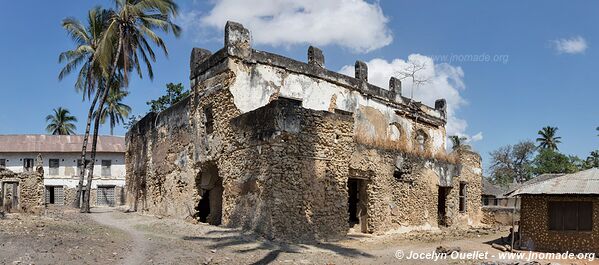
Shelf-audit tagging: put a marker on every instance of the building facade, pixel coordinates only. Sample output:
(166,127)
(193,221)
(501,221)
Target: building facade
(61,164)
(561,213)
(294,151)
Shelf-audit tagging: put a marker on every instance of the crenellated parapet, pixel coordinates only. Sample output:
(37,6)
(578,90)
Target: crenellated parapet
(237,45)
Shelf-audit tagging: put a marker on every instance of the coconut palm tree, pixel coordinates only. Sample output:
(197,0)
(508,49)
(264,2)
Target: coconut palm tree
(61,122)
(129,30)
(114,110)
(84,55)
(548,138)
(457,141)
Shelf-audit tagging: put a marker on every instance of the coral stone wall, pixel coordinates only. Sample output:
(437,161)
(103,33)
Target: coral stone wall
(30,189)
(410,202)
(295,185)
(534,226)
(470,174)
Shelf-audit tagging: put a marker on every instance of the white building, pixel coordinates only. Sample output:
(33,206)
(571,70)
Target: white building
(61,155)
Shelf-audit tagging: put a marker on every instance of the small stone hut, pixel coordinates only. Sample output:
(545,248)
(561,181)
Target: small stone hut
(561,214)
(296,152)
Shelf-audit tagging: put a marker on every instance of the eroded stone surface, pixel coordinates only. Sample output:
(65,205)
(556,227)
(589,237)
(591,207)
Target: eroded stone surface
(289,150)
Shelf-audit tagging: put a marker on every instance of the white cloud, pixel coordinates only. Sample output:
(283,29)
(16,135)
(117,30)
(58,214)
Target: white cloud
(574,45)
(355,24)
(443,81)
(477,137)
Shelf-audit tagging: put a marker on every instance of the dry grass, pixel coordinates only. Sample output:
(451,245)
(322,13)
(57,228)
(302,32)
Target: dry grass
(402,145)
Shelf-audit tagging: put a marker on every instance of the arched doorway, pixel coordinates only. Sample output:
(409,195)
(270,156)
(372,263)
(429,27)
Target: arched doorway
(210,189)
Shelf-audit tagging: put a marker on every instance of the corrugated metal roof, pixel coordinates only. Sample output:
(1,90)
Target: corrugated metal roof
(537,179)
(37,143)
(492,189)
(583,182)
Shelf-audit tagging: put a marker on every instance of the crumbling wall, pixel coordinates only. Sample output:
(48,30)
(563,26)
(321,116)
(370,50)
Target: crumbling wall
(470,174)
(295,187)
(534,224)
(283,137)
(501,216)
(30,189)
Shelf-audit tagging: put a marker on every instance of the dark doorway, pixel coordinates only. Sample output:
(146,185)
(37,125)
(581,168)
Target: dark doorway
(357,203)
(204,207)
(442,206)
(50,196)
(210,186)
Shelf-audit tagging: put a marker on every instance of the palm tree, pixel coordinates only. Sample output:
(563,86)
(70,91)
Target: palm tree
(124,41)
(548,138)
(458,142)
(597,130)
(61,122)
(87,39)
(114,110)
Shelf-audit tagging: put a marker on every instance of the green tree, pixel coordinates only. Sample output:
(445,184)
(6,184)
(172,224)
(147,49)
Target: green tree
(548,138)
(114,110)
(61,122)
(85,55)
(129,30)
(592,160)
(551,161)
(174,93)
(512,163)
(458,142)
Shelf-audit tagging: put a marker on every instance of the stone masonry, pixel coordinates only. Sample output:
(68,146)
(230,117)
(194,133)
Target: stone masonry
(22,192)
(296,152)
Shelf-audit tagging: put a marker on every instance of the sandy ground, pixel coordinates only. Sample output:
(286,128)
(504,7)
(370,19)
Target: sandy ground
(63,236)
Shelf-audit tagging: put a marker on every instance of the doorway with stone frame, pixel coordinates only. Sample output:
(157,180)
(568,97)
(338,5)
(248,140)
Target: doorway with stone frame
(357,204)
(442,194)
(10,195)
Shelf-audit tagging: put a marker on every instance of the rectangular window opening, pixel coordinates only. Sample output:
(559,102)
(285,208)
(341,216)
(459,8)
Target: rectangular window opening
(106,165)
(463,196)
(570,216)
(54,164)
(28,164)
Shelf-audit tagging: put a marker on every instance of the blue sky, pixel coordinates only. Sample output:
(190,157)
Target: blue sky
(546,72)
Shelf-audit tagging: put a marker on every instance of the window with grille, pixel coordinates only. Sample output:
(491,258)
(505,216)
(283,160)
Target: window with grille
(463,196)
(2,163)
(570,216)
(106,164)
(28,164)
(53,165)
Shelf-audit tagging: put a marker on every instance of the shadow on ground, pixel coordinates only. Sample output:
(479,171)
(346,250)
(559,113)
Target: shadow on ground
(236,238)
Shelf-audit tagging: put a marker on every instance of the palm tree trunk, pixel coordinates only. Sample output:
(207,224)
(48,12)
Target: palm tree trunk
(77,202)
(111,130)
(90,175)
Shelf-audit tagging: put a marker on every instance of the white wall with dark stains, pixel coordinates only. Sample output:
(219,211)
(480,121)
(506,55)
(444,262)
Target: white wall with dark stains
(257,84)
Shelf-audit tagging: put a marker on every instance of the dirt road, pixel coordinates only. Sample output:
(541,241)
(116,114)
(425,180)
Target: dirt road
(108,236)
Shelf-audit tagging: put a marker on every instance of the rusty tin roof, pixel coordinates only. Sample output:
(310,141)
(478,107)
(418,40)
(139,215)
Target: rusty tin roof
(39,143)
(583,182)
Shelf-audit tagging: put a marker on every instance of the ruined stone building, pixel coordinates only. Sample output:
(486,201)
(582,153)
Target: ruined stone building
(61,162)
(294,151)
(22,191)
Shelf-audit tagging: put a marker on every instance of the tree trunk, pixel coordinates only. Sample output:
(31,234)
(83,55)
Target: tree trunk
(77,202)
(85,208)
